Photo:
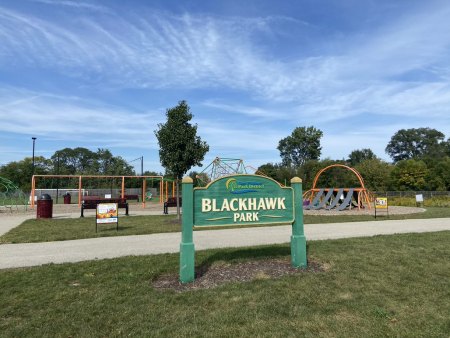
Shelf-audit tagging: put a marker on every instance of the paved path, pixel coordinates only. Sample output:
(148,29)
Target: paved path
(22,255)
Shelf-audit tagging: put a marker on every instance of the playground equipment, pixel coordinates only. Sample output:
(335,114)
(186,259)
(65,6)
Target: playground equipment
(221,167)
(337,198)
(80,189)
(11,197)
(226,166)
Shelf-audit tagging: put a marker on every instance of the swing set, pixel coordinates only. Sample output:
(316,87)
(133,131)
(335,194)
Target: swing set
(83,178)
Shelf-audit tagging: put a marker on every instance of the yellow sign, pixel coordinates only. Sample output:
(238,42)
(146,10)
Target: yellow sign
(381,203)
(107,213)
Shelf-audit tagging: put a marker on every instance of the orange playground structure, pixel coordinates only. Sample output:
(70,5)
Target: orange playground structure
(164,190)
(337,198)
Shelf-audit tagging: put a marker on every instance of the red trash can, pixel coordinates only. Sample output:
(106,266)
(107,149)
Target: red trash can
(44,207)
(67,198)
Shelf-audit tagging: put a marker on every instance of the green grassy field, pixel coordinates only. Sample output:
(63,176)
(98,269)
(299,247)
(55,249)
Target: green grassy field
(43,230)
(383,286)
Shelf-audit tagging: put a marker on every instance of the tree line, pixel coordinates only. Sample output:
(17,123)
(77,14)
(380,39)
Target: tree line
(421,161)
(67,161)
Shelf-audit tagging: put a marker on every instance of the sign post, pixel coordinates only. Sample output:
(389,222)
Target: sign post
(298,240)
(187,250)
(381,203)
(240,200)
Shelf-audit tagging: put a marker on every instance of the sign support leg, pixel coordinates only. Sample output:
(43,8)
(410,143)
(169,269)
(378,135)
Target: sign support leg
(298,239)
(187,249)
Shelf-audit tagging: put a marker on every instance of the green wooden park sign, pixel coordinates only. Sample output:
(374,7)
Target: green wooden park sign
(240,200)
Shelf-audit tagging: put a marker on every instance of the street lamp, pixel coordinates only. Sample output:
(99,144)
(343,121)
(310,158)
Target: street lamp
(34,140)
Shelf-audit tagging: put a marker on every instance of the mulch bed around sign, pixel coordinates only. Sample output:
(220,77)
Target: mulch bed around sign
(207,277)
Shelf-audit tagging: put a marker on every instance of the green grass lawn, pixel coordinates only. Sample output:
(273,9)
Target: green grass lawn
(383,286)
(44,230)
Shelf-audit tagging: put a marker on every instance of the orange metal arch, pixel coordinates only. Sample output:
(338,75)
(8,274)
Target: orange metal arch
(358,175)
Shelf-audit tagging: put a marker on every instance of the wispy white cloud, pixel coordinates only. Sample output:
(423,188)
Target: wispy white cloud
(73,4)
(153,50)
(249,111)
(158,49)
(75,119)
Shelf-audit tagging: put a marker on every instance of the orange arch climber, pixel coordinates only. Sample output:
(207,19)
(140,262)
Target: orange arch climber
(364,196)
(358,175)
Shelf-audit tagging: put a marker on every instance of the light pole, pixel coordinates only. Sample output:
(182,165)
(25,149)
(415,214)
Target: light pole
(34,141)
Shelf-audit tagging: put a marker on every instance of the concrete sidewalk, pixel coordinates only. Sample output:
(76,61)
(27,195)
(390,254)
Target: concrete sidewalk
(22,255)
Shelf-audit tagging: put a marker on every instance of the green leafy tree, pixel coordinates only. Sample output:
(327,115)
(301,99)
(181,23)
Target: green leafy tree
(358,156)
(270,170)
(278,172)
(442,170)
(416,144)
(409,175)
(302,145)
(20,172)
(179,146)
(82,161)
(376,174)
(108,164)
(77,161)
(438,177)
(200,179)
(308,172)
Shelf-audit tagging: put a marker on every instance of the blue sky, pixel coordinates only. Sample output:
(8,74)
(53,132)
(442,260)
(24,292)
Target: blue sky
(101,74)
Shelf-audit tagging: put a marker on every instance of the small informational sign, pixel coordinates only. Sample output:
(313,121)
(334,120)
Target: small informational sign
(381,203)
(419,198)
(107,195)
(107,213)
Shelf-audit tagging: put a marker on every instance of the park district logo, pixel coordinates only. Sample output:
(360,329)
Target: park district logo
(242,187)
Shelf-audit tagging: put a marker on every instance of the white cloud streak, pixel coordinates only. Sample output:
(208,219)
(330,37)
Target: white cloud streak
(71,118)
(199,51)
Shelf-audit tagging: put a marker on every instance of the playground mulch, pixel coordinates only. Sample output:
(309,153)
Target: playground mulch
(393,210)
(207,276)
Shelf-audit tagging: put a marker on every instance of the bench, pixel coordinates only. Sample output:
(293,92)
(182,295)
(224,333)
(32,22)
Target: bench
(92,203)
(91,198)
(171,202)
(132,197)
